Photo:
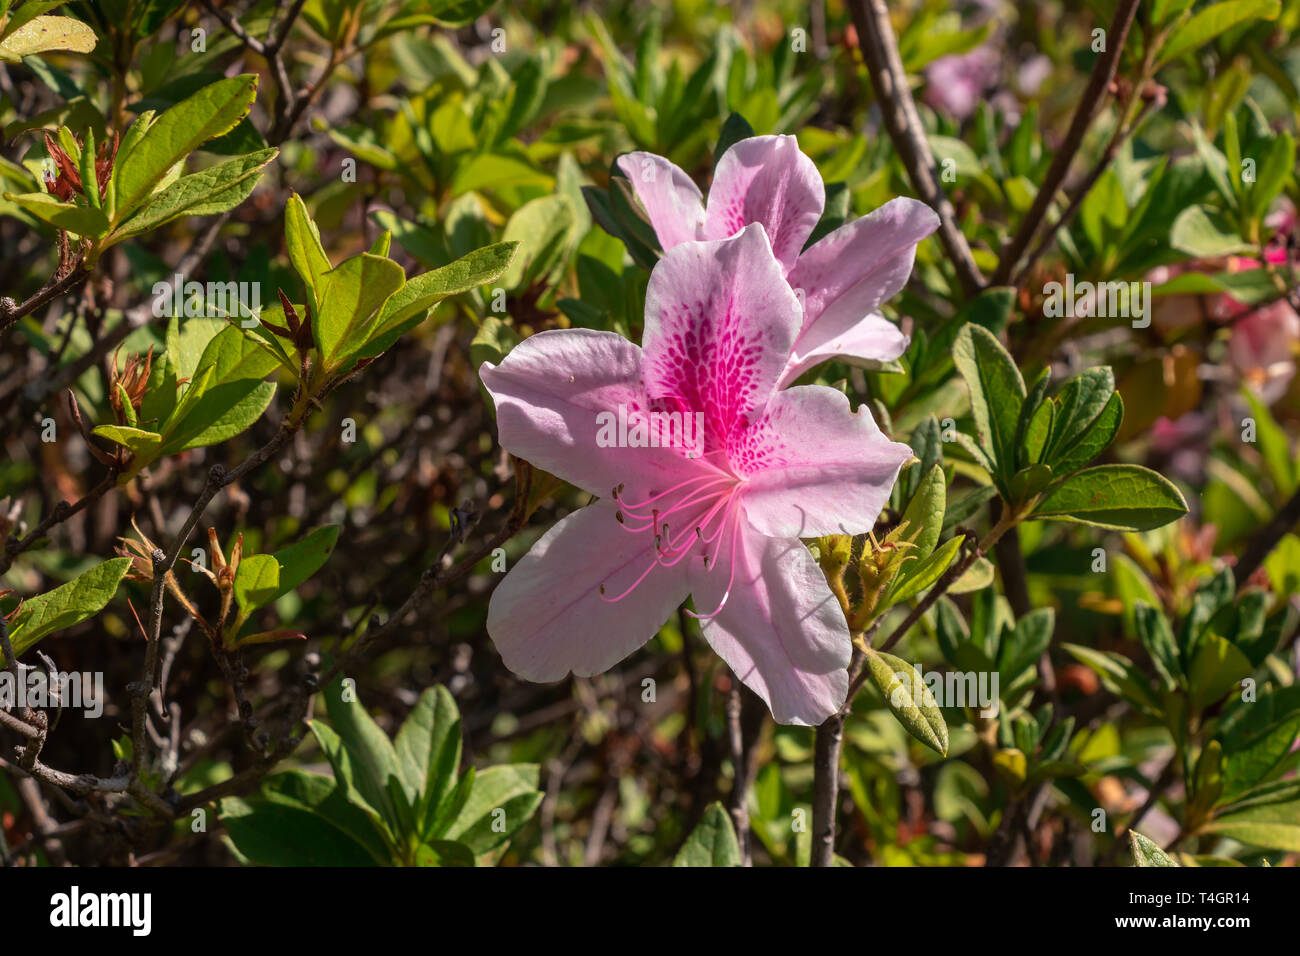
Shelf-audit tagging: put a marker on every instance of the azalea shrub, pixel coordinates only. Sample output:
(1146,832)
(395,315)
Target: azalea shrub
(459,434)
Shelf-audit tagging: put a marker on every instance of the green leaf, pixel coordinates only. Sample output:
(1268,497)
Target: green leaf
(428,749)
(82,220)
(257,581)
(213,190)
(510,789)
(1026,642)
(1213,20)
(411,302)
(280,834)
(321,796)
(1217,667)
(350,298)
(924,514)
(1146,852)
(304,557)
(426,290)
(1094,439)
(1123,497)
(136,440)
(997,392)
(1158,638)
(444,853)
(919,575)
(212,111)
(542,229)
(1117,674)
(68,604)
(1199,233)
(42,34)
(1252,763)
(227,393)
(909,699)
(1080,402)
(305,250)
(1275,826)
(712,842)
(367,758)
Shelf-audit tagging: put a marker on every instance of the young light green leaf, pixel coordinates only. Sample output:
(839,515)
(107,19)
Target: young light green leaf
(1147,852)
(256,581)
(305,250)
(213,190)
(304,557)
(1208,23)
(919,575)
(924,514)
(909,698)
(136,440)
(212,111)
(84,221)
(1272,825)
(351,296)
(227,393)
(68,604)
(42,34)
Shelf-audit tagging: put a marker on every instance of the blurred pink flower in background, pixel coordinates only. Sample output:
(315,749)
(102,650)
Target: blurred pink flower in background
(957,83)
(1265,339)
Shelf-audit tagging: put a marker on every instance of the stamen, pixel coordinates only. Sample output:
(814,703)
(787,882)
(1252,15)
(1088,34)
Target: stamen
(631,587)
(731,580)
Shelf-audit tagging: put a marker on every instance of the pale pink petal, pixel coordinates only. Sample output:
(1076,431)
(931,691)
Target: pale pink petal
(766,179)
(780,630)
(548,618)
(670,197)
(555,392)
(817,467)
(719,324)
(873,339)
(845,276)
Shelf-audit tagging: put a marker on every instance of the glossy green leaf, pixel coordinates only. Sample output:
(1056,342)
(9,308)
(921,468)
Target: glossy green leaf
(1124,497)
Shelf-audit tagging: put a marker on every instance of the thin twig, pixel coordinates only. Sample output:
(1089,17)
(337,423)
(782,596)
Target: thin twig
(1103,72)
(903,122)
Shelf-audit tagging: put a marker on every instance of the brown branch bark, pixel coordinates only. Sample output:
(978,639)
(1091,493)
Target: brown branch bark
(903,122)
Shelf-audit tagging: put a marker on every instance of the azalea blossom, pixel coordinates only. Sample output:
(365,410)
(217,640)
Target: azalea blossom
(1265,340)
(720,521)
(841,279)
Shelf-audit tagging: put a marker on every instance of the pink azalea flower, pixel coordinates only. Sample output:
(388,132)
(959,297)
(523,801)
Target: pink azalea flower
(719,520)
(1264,341)
(841,279)
(956,83)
